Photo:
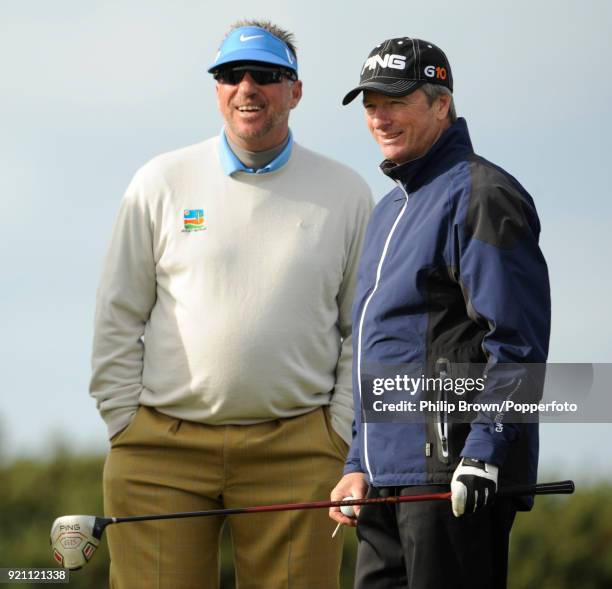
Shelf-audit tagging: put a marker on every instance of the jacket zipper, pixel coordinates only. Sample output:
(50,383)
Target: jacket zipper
(442,419)
(363,312)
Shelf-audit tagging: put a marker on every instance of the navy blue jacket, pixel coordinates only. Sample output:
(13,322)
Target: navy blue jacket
(451,269)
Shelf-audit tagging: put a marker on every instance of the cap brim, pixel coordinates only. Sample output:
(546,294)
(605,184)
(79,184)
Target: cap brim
(399,88)
(257,55)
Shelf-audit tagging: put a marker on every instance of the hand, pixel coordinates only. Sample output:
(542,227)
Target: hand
(473,486)
(350,485)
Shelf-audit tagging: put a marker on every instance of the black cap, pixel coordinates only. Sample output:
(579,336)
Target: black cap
(397,67)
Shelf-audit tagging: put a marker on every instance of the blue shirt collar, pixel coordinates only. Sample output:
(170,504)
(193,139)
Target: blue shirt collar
(231,164)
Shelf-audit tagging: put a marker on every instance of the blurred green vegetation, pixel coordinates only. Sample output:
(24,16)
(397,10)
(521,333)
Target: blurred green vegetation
(565,542)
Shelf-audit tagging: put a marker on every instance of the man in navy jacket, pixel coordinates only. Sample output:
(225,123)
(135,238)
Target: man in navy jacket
(451,280)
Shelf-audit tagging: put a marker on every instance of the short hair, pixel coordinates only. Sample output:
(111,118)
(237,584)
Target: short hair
(433,91)
(285,36)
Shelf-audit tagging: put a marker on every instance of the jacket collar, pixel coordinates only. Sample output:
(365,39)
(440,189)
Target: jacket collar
(452,146)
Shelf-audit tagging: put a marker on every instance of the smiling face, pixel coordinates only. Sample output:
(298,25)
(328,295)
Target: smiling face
(257,116)
(405,127)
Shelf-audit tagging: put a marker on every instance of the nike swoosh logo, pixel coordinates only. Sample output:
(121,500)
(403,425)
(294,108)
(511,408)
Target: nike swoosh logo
(244,38)
(289,55)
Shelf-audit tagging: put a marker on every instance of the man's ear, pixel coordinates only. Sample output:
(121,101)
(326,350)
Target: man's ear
(296,93)
(217,95)
(442,106)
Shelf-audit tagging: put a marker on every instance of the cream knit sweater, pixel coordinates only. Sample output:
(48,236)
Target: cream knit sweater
(244,317)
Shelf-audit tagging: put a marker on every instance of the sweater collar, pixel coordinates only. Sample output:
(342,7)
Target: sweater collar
(452,146)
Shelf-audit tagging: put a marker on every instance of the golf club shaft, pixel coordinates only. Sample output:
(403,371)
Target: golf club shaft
(561,487)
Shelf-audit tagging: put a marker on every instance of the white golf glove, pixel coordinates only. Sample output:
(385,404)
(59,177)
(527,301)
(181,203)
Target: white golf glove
(473,486)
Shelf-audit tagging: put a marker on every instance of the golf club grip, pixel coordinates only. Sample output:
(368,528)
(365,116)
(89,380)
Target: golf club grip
(556,488)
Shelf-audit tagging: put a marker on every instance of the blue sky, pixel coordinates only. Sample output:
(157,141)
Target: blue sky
(91,91)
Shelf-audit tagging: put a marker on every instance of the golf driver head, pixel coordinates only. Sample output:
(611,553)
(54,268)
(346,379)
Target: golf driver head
(74,539)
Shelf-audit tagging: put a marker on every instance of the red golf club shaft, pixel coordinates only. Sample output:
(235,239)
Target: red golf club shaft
(561,487)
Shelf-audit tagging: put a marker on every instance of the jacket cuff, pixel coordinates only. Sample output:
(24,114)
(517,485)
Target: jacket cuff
(350,467)
(488,446)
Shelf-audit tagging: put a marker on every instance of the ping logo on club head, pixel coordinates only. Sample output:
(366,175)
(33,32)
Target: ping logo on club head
(432,71)
(388,60)
(70,527)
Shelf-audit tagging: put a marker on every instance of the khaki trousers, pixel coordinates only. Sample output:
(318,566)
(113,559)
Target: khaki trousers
(159,464)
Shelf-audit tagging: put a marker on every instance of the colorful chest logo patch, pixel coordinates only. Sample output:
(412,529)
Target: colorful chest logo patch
(193,220)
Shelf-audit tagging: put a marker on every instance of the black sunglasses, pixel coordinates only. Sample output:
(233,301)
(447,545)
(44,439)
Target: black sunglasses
(261,75)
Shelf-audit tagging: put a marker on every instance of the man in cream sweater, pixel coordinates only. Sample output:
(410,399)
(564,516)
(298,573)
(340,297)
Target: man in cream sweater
(222,348)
